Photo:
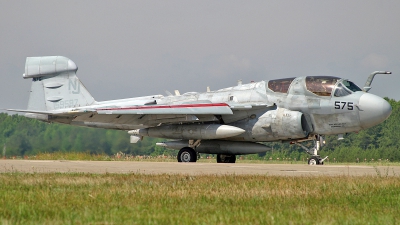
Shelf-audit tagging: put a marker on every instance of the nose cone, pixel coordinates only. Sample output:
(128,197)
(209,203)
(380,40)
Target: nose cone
(373,110)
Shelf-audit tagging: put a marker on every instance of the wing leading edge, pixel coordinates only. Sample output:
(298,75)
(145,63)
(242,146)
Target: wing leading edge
(183,109)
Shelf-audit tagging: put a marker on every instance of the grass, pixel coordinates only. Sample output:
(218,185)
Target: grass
(76,198)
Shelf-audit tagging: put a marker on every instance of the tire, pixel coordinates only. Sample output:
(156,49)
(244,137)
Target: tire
(313,160)
(232,159)
(221,158)
(186,155)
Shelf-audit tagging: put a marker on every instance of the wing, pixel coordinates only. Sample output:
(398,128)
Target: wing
(133,116)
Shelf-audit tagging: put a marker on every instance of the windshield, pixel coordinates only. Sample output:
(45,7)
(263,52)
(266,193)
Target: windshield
(351,86)
(345,88)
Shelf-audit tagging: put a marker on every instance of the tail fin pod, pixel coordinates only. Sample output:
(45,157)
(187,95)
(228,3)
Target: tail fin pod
(55,84)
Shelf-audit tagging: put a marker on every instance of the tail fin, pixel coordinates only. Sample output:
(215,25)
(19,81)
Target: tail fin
(55,84)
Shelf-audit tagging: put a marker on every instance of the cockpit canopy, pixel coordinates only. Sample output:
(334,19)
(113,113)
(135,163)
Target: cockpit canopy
(280,85)
(318,85)
(321,85)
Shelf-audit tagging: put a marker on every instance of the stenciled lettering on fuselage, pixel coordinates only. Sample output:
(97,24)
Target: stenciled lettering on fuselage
(74,86)
(66,104)
(335,125)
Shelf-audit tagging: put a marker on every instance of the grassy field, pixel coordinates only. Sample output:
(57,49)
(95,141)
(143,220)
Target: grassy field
(75,198)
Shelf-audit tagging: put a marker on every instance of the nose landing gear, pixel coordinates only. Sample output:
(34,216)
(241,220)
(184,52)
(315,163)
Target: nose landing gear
(315,159)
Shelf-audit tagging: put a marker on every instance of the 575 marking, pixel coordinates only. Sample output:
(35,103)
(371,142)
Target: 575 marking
(342,105)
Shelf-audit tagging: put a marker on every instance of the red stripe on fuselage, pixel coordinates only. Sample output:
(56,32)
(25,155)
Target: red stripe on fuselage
(170,106)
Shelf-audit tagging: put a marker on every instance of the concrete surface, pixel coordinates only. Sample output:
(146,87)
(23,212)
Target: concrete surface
(51,166)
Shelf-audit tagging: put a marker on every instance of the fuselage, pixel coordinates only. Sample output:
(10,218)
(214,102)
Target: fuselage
(283,109)
(329,105)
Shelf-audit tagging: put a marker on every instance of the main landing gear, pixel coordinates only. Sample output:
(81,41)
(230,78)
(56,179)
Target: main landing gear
(188,154)
(314,159)
(226,158)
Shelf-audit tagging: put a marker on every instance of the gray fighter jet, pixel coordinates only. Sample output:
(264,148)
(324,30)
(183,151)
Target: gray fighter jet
(228,122)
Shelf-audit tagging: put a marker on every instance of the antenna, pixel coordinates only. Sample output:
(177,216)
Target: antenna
(168,93)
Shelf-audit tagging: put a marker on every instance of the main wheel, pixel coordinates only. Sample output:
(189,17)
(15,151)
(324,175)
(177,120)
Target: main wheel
(313,160)
(219,160)
(187,155)
(226,158)
(232,159)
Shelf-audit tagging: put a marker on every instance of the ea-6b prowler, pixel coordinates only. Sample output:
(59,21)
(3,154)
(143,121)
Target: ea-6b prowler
(227,122)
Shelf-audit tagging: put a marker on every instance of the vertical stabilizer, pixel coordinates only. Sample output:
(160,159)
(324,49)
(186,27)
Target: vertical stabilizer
(55,84)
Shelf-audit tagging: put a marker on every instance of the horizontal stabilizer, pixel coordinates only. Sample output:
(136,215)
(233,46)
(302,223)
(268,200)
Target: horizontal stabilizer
(59,113)
(29,111)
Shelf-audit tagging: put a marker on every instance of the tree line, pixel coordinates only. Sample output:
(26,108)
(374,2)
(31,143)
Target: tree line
(22,136)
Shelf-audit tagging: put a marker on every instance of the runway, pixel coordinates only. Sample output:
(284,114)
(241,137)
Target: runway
(101,167)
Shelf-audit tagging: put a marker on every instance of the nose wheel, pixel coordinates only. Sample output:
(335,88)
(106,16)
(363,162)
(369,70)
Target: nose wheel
(315,160)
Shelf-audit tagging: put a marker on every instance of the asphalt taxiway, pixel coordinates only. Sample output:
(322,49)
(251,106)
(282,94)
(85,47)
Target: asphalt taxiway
(59,166)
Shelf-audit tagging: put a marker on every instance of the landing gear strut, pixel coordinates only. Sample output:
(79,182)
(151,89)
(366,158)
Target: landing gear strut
(315,159)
